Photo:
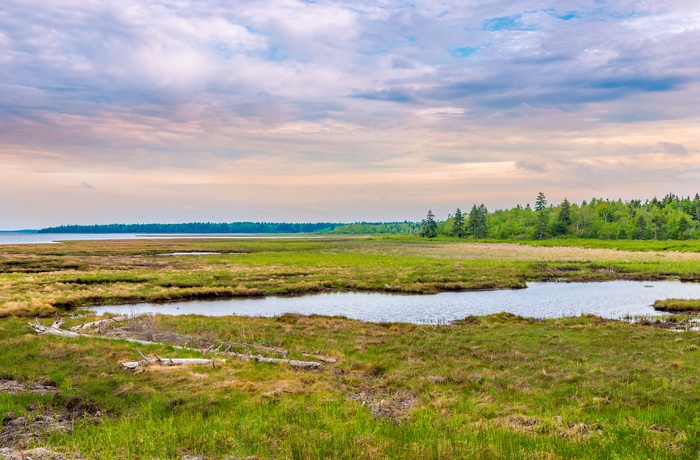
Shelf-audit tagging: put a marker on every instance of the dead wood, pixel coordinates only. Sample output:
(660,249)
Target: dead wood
(100,323)
(261,359)
(54,329)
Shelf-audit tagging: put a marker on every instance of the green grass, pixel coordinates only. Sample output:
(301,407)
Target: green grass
(487,387)
(678,305)
(36,280)
(490,387)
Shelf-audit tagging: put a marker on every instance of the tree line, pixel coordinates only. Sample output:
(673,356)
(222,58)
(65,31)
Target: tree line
(198,227)
(672,217)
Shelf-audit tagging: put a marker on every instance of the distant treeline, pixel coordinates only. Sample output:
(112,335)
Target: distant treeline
(368,228)
(198,227)
(672,217)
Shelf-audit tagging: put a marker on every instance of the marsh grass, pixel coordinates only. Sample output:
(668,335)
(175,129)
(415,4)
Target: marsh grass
(499,386)
(37,279)
(678,305)
(490,387)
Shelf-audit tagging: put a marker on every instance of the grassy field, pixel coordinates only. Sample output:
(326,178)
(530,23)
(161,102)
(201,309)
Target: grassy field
(36,280)
(486,387)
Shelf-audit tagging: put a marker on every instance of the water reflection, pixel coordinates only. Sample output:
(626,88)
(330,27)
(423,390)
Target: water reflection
(613,299)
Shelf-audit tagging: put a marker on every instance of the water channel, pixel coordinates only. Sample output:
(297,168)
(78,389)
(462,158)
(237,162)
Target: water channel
(611,299)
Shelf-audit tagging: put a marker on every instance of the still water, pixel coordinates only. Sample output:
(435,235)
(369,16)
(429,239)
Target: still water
(612,299)
(47,238)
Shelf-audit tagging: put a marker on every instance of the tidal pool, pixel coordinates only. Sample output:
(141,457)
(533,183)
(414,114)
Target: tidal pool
(610,299)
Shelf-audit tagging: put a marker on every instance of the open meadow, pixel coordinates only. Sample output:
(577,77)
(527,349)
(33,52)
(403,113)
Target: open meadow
(498,386)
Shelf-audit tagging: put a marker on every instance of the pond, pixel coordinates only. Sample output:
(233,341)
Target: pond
(611,299)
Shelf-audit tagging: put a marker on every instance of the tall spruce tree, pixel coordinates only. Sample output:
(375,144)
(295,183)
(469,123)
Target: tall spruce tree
(458,224)
(429,226)
(542,216)
(477,221)
(540,202)
(561,226)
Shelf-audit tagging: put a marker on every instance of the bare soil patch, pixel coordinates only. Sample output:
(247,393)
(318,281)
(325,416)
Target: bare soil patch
(13,386)
(386,404)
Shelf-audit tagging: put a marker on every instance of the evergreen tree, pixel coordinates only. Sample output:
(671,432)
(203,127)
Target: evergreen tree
(561,226)
(458,224)
(542,217)
(477,221)
(540,202)
(429,226)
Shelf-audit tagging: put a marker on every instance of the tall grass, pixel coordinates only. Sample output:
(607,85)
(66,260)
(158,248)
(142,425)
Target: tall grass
(491,387)
(35,280)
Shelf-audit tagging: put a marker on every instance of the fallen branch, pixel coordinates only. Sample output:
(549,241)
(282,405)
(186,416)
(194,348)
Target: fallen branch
(157,360)
(261,359)
(54,329)
(102,322)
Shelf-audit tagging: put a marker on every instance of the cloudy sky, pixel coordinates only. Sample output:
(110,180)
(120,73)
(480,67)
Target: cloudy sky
(213,110)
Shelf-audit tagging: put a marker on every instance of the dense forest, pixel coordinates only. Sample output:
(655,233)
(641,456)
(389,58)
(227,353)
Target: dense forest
(197,227)
(672,217)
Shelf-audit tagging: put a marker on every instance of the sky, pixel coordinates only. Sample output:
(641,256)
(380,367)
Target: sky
(284,110)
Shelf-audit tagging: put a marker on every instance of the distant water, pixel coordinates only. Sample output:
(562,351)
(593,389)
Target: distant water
(48,238)
(610,299)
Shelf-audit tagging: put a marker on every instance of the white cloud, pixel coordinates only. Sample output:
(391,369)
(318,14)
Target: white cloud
(352,89)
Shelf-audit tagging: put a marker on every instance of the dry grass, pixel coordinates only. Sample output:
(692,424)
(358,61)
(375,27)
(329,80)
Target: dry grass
(35,280)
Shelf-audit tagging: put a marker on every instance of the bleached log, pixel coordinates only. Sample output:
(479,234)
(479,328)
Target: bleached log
(102,322)
(157,360)
(53,329)
(41,329)
(304,364)
(261,359)
(96,324)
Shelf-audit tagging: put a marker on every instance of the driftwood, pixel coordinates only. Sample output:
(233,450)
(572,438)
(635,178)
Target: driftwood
(157,360)
(55,329)
(102,322)
(261,359)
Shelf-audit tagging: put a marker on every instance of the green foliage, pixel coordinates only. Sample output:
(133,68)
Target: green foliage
(373,228)
(494,387)
(540,202)
(458,225)
(198,227)
(477,223)
(429,228)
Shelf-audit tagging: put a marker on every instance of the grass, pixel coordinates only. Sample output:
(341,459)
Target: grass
(494,387)
(36,280)
(490,387)
(678,305)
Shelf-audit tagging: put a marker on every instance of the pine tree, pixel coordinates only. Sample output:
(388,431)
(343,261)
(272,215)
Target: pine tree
(458,224)
(542,217)
(561,226)
(429,226)
(477,221)
(540,202)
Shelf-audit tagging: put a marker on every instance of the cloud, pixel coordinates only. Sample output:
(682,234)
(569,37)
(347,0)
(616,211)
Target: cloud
(155,87)
(531,165)
(673,148)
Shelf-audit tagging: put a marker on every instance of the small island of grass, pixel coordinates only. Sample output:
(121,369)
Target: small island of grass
(678,305)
